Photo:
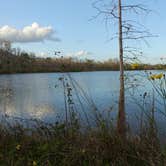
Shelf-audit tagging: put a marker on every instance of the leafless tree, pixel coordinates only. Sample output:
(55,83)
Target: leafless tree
(116,12)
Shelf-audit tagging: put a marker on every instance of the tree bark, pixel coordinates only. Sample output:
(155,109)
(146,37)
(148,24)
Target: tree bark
(121,122)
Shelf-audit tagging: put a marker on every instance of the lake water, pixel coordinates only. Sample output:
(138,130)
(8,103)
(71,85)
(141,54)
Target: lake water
(41,95)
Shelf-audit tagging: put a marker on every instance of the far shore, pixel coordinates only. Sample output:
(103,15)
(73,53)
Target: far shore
(23,62)
(50,72)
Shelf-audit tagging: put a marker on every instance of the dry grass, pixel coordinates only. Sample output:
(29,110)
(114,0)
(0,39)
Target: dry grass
(69,146)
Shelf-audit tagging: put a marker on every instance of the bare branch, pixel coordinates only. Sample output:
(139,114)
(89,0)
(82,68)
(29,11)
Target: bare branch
(138,8)
(131,29)
(107,11)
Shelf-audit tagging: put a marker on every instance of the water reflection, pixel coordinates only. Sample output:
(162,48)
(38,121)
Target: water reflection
(27,96)
(35,95)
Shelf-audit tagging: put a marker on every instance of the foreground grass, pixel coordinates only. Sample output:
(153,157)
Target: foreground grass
(61,144)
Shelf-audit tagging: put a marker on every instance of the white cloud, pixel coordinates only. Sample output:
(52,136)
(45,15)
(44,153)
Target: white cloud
(79,54)
(42,55)
(32,33)
(82,53)
(163,58)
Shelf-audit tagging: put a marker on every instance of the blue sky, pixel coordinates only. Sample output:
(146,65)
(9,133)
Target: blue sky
(71,21)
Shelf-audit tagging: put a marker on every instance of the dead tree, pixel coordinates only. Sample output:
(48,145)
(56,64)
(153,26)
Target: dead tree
(127,29)
(121,124)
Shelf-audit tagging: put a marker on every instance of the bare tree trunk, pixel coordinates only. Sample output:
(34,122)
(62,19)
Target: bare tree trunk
(127,31)
(121,123)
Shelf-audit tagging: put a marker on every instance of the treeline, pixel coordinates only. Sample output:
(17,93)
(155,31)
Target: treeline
(23,62)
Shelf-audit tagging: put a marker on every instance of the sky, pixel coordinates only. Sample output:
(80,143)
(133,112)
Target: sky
(45,26)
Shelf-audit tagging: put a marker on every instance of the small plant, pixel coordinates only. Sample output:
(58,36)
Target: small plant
(158,82)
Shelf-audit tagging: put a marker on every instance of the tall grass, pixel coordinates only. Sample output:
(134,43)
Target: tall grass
(61,144)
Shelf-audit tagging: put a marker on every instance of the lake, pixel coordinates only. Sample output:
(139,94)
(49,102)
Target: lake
(41,95)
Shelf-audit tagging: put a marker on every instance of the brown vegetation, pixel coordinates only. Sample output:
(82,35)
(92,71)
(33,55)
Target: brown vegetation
(22,62)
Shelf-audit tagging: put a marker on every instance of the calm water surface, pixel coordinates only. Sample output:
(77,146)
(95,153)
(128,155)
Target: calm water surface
(41,95)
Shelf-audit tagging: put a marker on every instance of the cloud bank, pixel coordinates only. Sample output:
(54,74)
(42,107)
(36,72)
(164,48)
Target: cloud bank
(82,53)
(79,54)
(42,55)
(32,33)
(163,58)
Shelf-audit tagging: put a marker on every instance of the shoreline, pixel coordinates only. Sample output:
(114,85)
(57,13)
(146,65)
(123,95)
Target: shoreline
(49,72)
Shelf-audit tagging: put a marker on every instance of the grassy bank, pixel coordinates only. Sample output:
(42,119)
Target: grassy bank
(62,144)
